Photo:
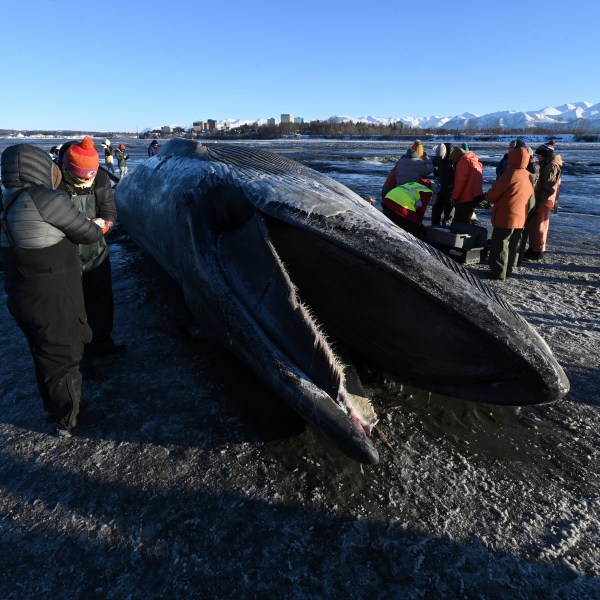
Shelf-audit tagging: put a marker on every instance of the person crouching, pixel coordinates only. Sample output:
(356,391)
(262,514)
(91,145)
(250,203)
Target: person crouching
(405,205)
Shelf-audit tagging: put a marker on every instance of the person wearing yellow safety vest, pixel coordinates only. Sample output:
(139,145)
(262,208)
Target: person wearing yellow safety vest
(406,204)
(410,167)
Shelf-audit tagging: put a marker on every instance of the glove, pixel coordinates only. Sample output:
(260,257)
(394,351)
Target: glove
(104,225)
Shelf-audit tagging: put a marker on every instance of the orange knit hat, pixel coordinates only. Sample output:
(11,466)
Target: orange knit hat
(82,160)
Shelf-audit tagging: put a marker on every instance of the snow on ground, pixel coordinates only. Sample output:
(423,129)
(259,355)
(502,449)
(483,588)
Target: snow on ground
(200,483)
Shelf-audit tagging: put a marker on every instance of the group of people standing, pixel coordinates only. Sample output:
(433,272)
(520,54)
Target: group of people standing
(57,273)
(119,154)
(523,196)
(57,208)
(455,174)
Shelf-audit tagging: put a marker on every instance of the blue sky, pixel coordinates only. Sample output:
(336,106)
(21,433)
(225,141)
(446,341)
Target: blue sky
(129,65)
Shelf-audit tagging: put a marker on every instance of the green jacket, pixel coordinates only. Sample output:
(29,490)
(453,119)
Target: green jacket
(549,180)
(121,158)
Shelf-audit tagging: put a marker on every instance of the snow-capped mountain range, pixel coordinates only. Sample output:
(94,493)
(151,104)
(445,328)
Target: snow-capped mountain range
(579,115)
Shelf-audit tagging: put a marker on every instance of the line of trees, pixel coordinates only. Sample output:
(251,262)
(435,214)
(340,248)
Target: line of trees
(332,128)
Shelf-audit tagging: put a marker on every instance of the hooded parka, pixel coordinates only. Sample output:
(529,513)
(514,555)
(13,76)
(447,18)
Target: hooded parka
(468,179)
(511,192)
(41,230)
(468,184)
(410,167)
(510,195)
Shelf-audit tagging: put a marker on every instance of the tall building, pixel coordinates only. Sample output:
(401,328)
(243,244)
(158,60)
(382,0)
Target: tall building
(271,121)
(287,118)
(212,124)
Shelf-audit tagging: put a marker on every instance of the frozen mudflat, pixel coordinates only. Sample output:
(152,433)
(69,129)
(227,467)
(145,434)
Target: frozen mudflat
(200,483)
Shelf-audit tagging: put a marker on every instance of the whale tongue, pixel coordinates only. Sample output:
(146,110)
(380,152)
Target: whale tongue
(279,335)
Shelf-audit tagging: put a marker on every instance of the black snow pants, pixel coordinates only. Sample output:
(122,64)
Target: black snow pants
(442,212)
(45,298)
(99,302)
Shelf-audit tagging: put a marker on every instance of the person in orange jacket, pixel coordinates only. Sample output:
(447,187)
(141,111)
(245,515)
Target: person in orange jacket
(510,196)
(467,192)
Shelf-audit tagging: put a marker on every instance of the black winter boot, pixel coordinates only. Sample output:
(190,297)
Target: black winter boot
(88,417)
(531,255)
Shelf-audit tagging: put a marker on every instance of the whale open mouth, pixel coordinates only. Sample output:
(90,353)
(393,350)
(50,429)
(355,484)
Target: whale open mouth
(282,333)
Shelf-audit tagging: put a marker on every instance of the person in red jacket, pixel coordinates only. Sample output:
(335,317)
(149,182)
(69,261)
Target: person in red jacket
(510,196)
(406,204)
(468,184)
(413,166)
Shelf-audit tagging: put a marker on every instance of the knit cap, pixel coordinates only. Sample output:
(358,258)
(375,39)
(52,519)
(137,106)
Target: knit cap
(82,160)
(121,147)
(440,151)
(417,146)
(107,142)
(544,150)
(456,154)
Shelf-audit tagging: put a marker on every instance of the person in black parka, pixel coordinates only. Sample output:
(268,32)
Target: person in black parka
(41,230)
(442,212)
(153,148)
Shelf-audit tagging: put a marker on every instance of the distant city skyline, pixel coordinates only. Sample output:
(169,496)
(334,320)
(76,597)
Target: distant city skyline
(579,115)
